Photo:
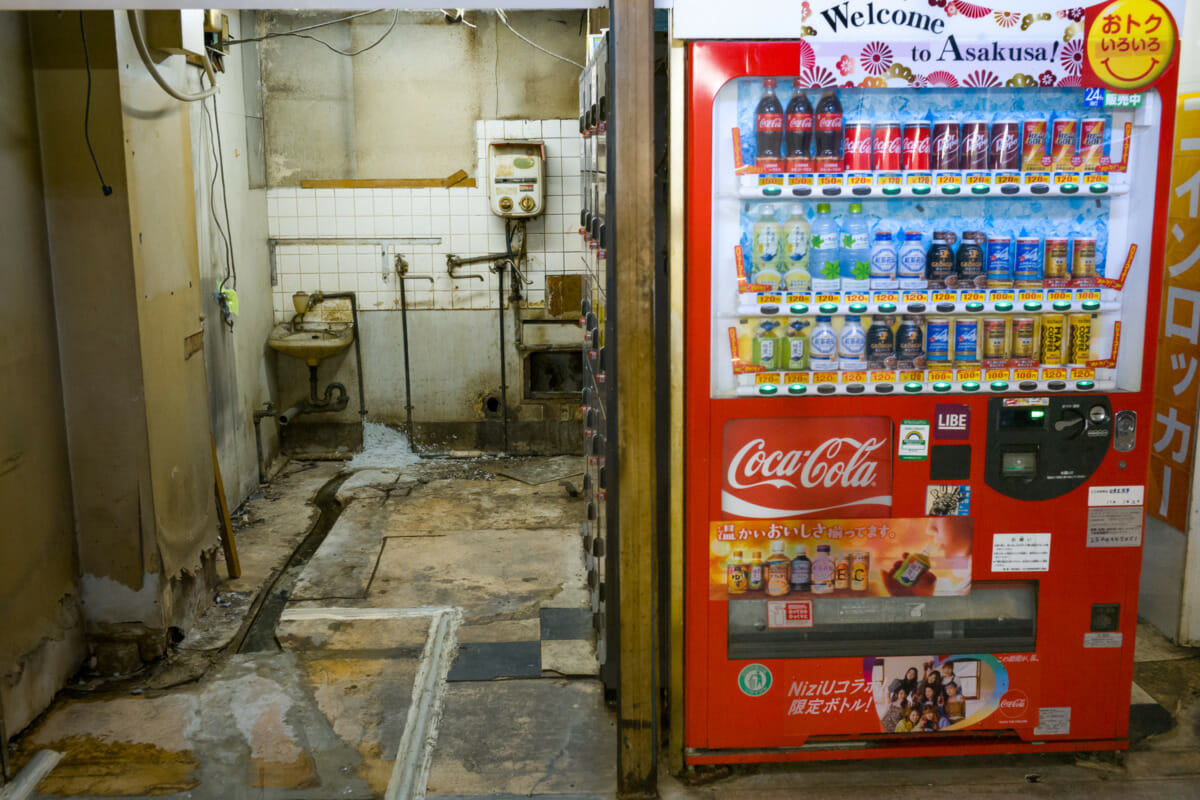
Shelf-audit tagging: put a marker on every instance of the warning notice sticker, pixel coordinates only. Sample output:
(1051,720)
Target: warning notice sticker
(1114,526)
(1020,552)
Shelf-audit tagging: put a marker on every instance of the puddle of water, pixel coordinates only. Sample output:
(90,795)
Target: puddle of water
(383,447)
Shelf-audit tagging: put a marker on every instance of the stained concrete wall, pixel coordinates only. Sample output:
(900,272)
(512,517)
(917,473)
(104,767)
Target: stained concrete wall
(41,635)
(126,286)
(240,378)
(406,109)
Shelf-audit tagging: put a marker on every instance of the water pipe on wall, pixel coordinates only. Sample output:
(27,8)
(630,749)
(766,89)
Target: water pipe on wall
(402,272)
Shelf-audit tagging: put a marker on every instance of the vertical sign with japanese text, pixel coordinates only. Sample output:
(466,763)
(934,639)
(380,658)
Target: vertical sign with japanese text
(1178,375)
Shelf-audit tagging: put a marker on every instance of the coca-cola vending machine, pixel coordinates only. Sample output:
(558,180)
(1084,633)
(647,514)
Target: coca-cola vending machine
(922,279)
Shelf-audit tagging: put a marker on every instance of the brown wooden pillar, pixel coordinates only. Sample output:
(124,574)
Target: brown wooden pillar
(632,55)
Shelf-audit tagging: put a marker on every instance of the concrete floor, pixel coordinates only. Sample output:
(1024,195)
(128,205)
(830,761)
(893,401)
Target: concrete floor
(438,641)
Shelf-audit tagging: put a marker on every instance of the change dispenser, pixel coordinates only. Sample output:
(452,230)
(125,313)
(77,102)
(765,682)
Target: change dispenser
(517,178)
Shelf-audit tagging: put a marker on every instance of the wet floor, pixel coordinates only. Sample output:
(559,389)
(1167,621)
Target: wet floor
(427,630)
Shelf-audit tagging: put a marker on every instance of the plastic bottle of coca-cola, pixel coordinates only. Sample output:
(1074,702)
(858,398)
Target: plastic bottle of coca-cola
(768,123)
(798,123)
(829,126)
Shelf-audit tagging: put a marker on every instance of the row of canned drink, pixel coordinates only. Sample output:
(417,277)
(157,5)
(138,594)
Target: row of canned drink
(922,341)
(1031,145)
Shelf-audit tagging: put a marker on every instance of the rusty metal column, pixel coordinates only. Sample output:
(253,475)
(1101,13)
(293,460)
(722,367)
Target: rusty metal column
(632,56)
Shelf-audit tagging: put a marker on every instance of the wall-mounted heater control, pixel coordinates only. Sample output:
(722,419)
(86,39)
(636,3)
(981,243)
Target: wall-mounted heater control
(517,178)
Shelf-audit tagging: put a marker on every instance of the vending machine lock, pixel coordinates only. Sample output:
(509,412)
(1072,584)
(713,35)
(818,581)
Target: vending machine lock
(1126,431)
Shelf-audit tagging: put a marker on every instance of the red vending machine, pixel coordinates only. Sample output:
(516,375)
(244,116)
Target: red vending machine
(923,254)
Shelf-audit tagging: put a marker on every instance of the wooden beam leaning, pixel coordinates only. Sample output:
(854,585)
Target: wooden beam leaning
(632,55)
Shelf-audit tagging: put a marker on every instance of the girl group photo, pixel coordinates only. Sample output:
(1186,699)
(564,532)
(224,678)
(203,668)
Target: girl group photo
(925,697)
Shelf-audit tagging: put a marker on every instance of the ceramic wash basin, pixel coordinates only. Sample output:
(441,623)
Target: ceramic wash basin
(311,342)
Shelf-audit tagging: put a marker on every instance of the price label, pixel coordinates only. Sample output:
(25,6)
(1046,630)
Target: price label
(1065,177)
(974,178)
(940,375)
(800,180)
(832,179)
(1036,177)
(772,180)
(796,377)
(1025,375)
(1087,294)
(1008,177)
(1082,373)
(998,295)
(797,298)
(969,297)
(908,376)
(1058,294)
(1054,374)
(968,374)
(769,299)
(1029,295)
(996,375)
(1095,177)
(948,179)
(766,377)
(824,377)
(854,377)
(916,297)
(886,297)
(856,298)
(883,376)
(918,178)
(829,298)
(889,179)
(859,179)
(945,297)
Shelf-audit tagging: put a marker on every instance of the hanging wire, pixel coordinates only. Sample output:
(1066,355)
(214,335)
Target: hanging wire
(87,110)
(299,33)
(212,201)
(504,19)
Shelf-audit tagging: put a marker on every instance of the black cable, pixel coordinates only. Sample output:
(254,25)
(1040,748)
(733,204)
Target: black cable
(212,192)
(87,110)
(224,197)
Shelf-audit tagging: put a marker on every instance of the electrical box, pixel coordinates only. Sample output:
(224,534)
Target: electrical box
(517,178)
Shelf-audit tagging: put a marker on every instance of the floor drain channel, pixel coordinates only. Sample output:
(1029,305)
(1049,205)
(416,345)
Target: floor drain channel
(260,635)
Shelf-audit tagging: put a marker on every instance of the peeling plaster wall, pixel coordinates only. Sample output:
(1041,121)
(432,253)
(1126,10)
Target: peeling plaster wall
(41,638)
(240,378)
(407,108)
(127,299)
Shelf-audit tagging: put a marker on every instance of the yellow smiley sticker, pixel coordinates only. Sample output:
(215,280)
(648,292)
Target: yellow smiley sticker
(1130,43)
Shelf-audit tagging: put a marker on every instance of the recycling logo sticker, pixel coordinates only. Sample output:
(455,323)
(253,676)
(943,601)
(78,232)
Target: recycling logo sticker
(754,680)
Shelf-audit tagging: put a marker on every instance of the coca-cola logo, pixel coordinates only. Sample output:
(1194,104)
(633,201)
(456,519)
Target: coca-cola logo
(800,122)
(889,144)
(1004,142)
(807,467)
(829,122)
(860,146)
(770,122)
(918,144)
(1014,703)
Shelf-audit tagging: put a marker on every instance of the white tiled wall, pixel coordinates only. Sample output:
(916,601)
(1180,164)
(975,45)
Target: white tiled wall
(424,225)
